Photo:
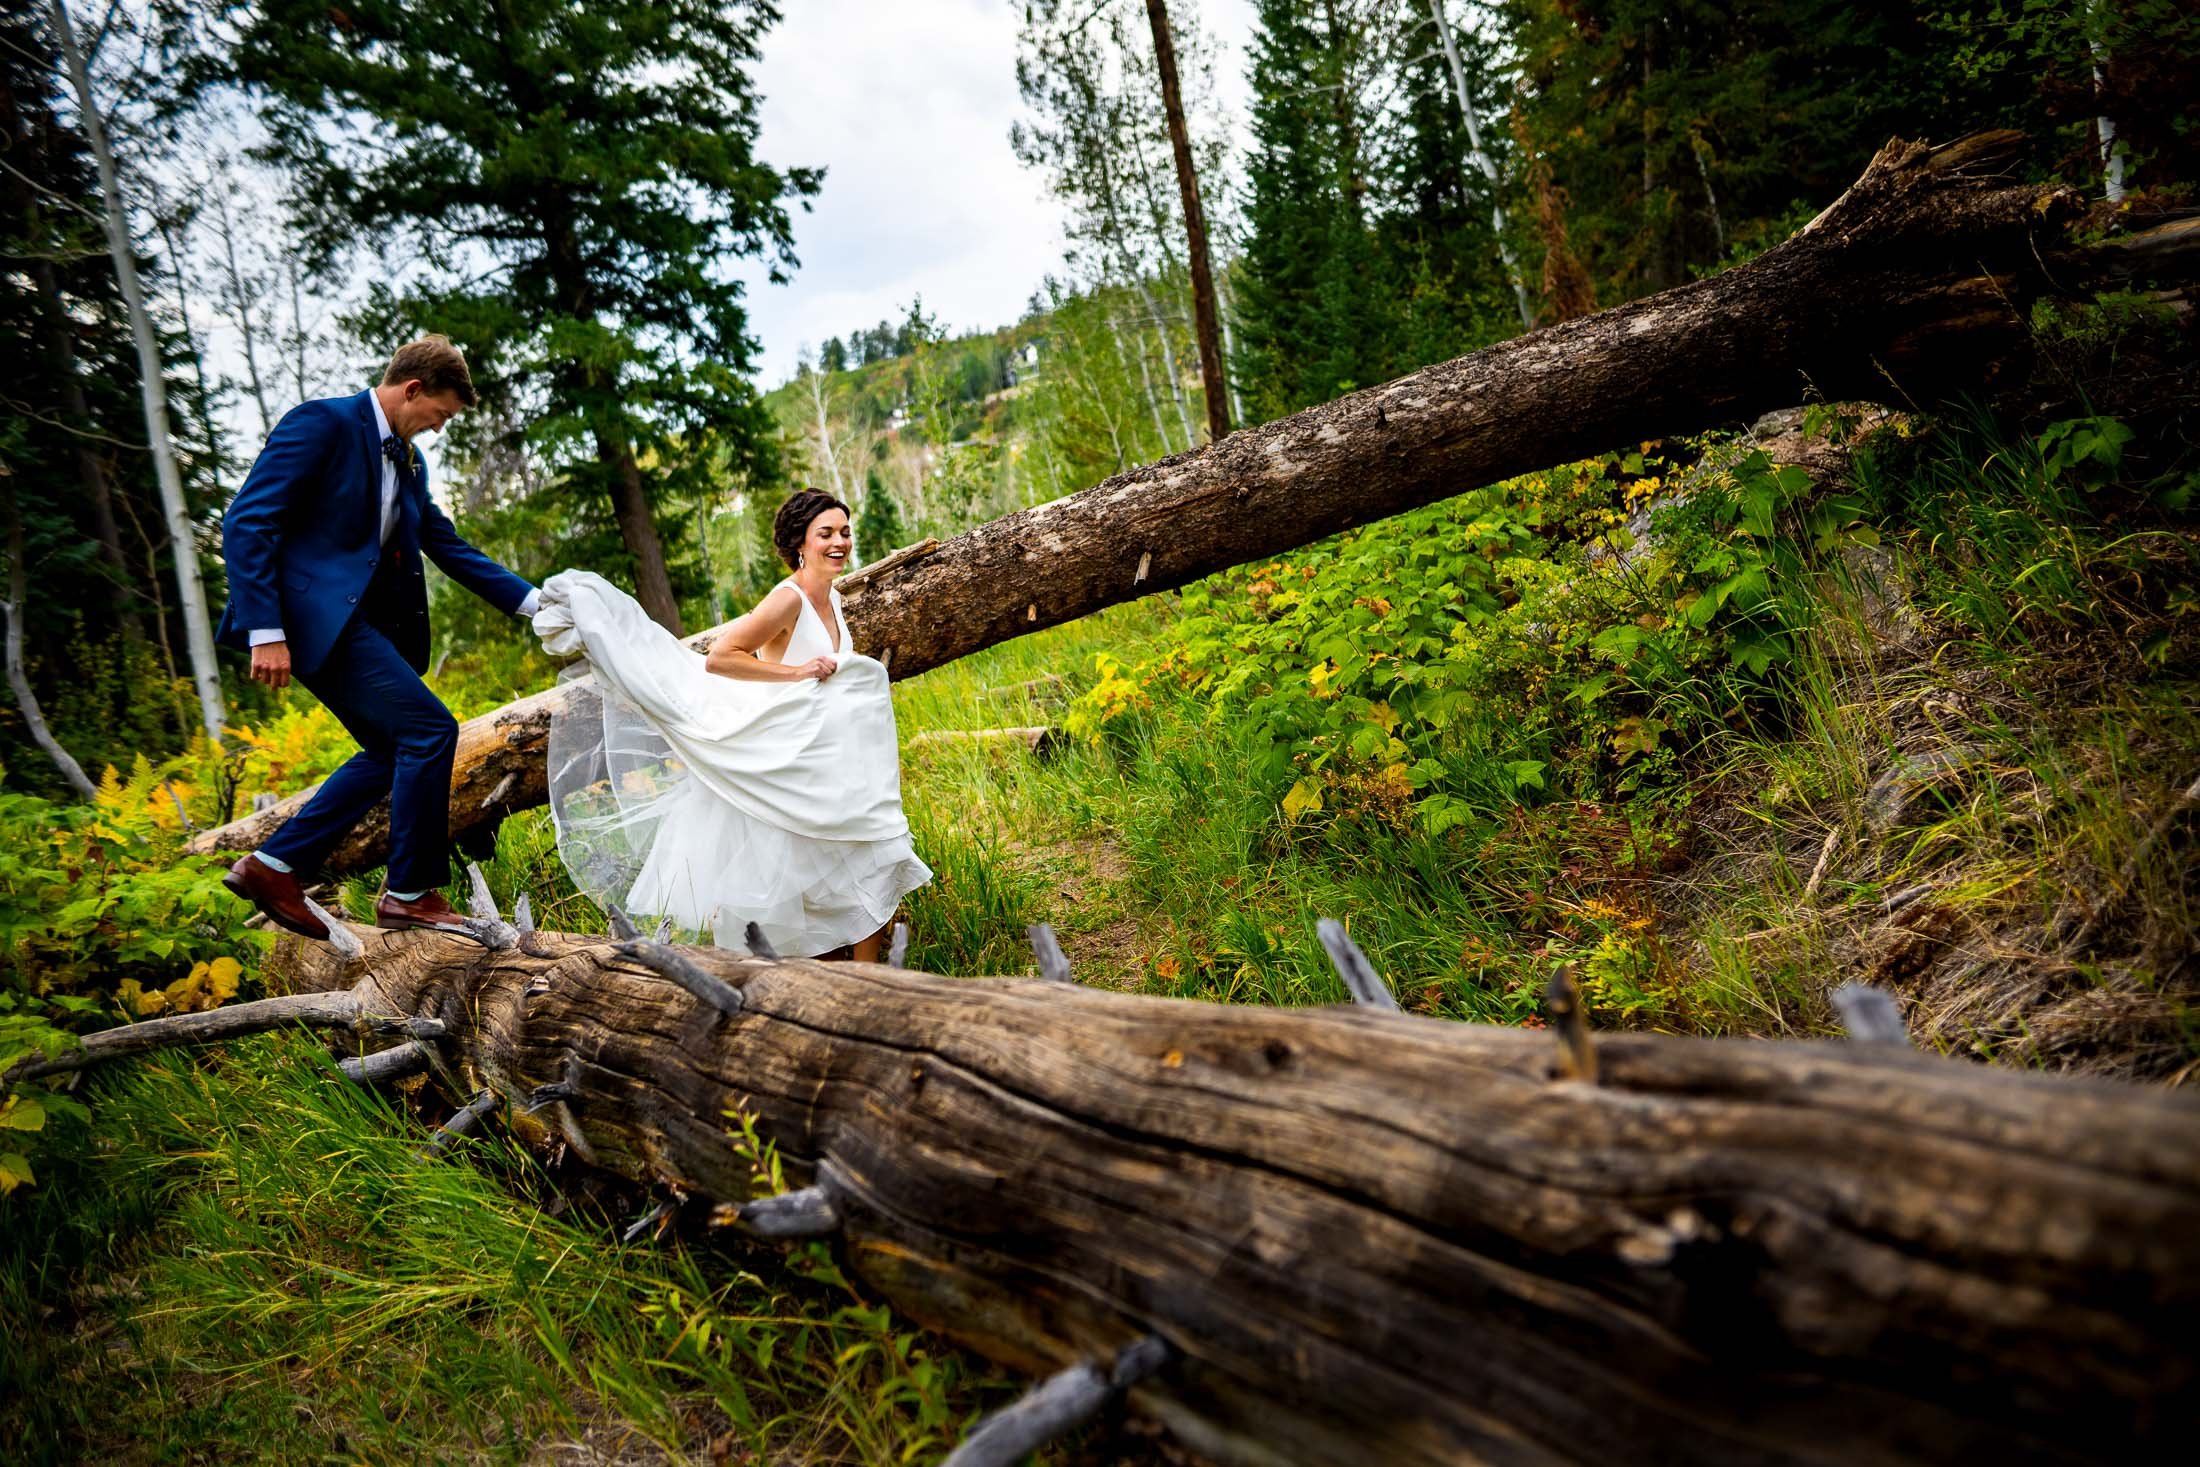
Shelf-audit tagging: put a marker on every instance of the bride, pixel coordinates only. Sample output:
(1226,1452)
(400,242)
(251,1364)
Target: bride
(760,783)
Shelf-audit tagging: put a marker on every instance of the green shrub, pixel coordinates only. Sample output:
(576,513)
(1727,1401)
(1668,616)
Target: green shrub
(1505,647)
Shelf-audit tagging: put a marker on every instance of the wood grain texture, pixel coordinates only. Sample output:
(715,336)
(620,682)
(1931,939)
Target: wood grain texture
(1915,279)
(1380,1238)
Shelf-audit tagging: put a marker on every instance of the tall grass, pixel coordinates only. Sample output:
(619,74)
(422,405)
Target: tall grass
(246,1262)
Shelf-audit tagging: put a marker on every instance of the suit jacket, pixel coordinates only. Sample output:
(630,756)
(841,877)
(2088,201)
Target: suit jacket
(302,541)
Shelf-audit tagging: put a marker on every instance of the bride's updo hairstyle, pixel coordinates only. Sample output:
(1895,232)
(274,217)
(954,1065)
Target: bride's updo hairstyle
(791,526)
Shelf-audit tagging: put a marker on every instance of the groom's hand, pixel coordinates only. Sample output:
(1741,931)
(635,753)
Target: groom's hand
(271,664)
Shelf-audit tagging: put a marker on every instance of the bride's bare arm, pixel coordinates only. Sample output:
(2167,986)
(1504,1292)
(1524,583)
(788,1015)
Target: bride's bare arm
(733,654)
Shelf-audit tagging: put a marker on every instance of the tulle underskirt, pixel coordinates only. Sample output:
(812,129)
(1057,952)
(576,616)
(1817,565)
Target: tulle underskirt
(713,869)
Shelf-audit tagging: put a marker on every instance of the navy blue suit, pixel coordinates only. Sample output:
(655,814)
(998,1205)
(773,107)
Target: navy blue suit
(302,544)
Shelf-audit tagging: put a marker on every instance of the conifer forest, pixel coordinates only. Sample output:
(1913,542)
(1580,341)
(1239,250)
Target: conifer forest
(1545,655)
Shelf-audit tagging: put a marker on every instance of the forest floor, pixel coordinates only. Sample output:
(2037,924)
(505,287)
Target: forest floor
(1968,779)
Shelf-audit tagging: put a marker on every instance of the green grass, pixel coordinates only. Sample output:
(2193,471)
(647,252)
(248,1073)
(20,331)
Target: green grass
(245,1262)
(1190,850)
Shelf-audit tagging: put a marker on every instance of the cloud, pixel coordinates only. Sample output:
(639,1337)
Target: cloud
(907,105)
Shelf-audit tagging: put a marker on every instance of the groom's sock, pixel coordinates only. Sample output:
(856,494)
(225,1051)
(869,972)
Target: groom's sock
(408,896)
(271,863)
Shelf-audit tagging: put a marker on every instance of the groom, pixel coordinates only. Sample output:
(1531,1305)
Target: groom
(323,545)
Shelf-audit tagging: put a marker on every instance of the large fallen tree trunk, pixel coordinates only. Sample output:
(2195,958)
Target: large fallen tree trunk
(1365,1237)
(1913,283)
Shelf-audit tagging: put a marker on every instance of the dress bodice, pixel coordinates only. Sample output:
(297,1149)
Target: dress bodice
(811,637)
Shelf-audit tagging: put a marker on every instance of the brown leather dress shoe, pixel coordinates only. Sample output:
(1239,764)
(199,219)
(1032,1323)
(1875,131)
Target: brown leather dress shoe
(427,910)
(278,896)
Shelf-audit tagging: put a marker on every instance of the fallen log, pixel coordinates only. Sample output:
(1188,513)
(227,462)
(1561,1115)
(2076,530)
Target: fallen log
(1914,283)
(1038,738)
(1369,1237)
(1045,685)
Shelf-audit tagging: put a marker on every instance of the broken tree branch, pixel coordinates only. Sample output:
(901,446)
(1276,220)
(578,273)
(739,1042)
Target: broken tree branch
(1360,978)
(1059,1404)
(342,1010)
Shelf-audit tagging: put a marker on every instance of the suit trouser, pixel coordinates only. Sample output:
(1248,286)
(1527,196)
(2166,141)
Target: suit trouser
(406,740)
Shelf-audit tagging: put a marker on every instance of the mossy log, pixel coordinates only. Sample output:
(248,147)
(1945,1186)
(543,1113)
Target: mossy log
(1360,1236)
(1912,285)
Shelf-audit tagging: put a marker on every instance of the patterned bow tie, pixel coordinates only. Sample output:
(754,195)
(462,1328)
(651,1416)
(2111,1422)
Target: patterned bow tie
(398,452)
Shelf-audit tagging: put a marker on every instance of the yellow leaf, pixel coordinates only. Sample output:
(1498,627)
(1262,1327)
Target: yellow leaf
(183,994)
(206,986)
(139,1002)
(1304,799)
(222,976)
(1382,717)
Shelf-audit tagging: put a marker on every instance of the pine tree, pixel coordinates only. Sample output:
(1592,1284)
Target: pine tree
(1309,326)
(584,177)
(878,519)
(1435,235)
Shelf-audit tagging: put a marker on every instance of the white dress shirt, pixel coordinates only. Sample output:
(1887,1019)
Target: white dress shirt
(382,432)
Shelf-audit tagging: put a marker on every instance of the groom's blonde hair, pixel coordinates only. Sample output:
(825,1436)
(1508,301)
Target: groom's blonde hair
(436,364)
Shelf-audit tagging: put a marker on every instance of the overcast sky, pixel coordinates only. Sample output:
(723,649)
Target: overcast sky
(906,104)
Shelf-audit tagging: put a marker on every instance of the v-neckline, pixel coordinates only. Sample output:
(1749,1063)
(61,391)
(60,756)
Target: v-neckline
(832,633)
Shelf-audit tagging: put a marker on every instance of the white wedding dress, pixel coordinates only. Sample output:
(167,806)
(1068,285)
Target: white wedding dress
(716,802)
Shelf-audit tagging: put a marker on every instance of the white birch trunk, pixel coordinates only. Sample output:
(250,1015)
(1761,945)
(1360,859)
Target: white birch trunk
(2112,166)
(190,593)
(19,682)
(1145,377)
(1229,350)
(1481,160)
(825,433)
(1168,363)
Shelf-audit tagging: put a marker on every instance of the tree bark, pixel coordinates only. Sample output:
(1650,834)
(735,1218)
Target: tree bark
(1378,1238)
(198,630)
(638,527)
(614,446)
(1195,228)
(334,1009)
(1915,281)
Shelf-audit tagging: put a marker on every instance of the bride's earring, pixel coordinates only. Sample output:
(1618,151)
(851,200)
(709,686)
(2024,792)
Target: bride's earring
(800,560)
